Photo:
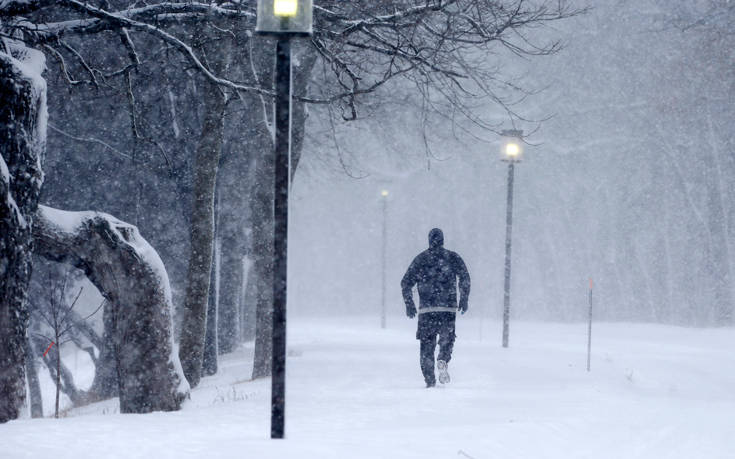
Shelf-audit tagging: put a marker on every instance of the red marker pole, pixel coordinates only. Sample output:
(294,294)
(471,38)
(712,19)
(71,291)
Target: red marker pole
(48,348)
(589,329)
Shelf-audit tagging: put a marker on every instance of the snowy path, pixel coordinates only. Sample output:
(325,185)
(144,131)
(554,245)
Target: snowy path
(356,391)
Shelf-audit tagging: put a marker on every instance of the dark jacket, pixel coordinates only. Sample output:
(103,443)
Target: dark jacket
(436,272)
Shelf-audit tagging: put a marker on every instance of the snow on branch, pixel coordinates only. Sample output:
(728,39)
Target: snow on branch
(7,203)
(19,7)
(416,37)
(157,13)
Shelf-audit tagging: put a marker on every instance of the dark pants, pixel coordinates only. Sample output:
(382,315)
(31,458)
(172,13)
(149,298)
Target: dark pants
(431,325)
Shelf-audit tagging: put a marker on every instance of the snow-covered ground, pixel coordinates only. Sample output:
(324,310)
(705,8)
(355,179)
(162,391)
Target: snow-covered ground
(355,391)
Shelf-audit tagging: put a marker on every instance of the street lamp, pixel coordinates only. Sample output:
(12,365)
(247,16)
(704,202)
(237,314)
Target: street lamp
(282,19)
(511,152)
(384,194)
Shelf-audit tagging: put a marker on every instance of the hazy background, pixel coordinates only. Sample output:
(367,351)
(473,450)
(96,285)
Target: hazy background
(630,182)
(628,176)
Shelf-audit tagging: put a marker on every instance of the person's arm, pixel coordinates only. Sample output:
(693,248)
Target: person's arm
(464,284)
(407,283)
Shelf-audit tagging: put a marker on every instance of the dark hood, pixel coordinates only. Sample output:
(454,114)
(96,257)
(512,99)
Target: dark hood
(436,238)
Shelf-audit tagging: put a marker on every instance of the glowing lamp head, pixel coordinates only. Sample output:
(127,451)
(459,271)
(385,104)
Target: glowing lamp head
(284,17)
(512,147)
(285,8)
(512,150)
(384,193)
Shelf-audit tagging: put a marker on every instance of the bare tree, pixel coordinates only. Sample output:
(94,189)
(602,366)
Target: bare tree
(208,151)
(56,315)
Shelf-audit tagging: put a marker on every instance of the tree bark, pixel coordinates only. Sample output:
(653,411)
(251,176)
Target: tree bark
(193,329)
(21,148)
(262,218)
(303,66)
(57,379)
(248,300)
(34,386)
(232,191)
(201,229)
(105,383)
(211,342)
(130,275)
(230,283)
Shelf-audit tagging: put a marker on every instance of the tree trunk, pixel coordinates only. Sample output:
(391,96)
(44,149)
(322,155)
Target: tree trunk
(105,384)
(232,190)
(34,385)
(130,275)
(230,282)
(248,300)
(717,200)
(22,130)
(306,56)
(211,342)
(193,328)
(262,218)
(58,373)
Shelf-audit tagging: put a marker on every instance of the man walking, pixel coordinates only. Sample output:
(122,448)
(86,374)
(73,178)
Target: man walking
(436,271)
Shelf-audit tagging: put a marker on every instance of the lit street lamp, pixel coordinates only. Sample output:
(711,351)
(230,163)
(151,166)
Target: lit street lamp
(511,152)
(283,19)
(384,195)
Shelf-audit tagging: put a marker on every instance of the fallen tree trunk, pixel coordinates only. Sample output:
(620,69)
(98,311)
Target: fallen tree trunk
(130,275)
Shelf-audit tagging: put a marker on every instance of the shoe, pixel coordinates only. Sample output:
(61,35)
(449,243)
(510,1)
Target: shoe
(441,365)
(430,384)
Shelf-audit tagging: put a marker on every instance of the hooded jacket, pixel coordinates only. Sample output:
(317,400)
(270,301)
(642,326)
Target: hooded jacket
(436,271)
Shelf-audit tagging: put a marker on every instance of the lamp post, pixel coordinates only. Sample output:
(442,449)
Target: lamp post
(384,196)
(511,152)
(282,19)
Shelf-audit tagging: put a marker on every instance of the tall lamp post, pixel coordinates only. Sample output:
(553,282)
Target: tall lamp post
(384,197)
(282,19)
(511,152)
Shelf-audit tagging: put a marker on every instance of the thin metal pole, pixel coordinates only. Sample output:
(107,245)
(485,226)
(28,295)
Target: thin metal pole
(280,235)
(383,262)
(589,330)
(508,234)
